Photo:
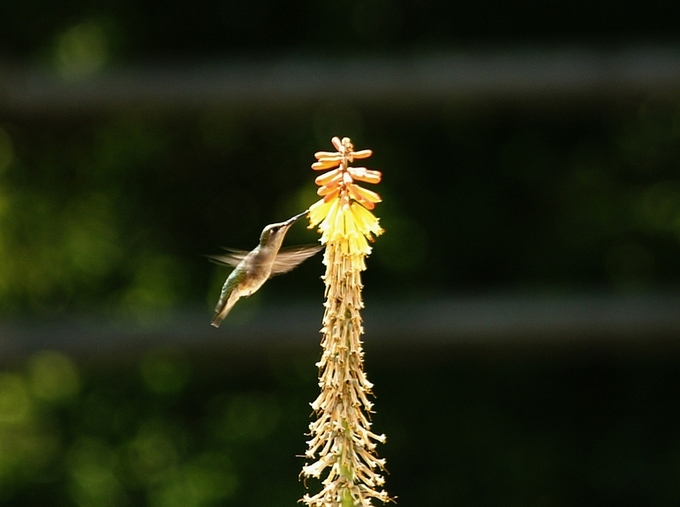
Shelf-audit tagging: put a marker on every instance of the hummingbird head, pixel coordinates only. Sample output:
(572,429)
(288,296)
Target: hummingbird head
(274,233)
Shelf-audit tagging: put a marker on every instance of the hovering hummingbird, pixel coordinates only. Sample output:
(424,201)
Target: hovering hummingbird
(254,268)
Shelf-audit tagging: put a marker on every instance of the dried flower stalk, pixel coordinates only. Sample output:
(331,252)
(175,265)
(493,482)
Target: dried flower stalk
(342,441)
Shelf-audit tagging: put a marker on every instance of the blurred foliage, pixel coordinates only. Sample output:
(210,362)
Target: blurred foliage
(179,430)
(151,434)
(113,214)
(112,211)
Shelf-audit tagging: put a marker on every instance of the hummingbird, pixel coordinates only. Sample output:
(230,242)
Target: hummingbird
(254,268)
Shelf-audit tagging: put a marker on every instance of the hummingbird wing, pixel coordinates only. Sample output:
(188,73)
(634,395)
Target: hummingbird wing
(232,258)
(288,258)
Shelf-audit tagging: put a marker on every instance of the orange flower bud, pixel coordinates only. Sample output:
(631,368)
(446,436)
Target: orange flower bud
(363,174)
(325,154)
(327,189)
(331,195)
(361,154)
(326,178)
(325,163)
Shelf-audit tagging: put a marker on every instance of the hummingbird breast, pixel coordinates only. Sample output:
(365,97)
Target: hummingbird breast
(257,269)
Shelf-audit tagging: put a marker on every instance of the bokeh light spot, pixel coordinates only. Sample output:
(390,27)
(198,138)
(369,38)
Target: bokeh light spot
(205,480)
(90,239)
(249,417)
(92,465)
(165,370)
(151,452)
(156,286)
(15,400)
(53,376)
(81,50)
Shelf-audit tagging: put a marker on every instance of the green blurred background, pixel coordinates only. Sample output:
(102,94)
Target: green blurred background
(119,170)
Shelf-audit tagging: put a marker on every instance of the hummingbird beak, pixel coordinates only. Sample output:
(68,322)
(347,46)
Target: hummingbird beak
(294,219)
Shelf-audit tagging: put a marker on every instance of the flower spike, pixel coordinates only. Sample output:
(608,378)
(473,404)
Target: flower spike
(342,446)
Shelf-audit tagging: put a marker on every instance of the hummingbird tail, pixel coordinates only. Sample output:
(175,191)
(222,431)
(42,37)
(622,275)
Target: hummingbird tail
(217,320)
(219,317)
(222,309)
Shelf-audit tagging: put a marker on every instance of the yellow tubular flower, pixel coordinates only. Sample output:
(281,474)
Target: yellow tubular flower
(342,446)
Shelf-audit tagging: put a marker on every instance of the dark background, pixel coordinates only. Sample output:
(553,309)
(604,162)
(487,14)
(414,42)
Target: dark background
(107,206)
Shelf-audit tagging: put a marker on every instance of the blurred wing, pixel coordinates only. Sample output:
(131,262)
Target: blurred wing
(231,258)
(288,258)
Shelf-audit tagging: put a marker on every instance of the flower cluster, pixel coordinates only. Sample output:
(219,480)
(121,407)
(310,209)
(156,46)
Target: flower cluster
(344,212)
(342,444)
